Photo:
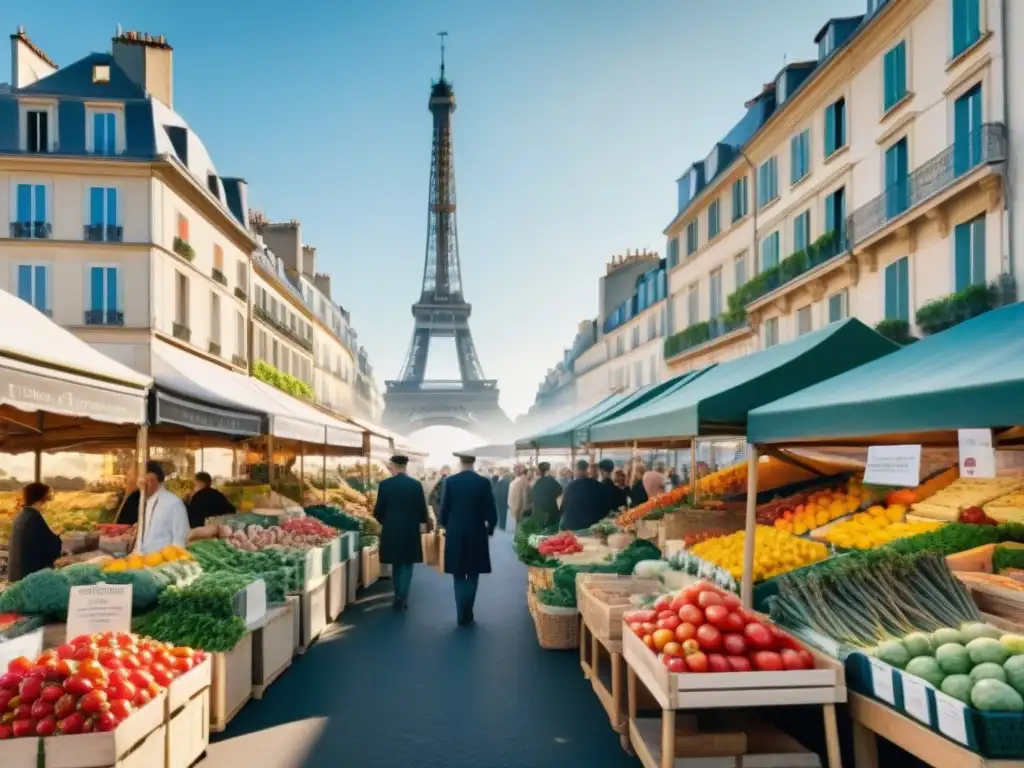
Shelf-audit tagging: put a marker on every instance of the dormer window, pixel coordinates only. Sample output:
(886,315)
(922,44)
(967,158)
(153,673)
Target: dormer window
(781,88)
(103,132)
(827,43)
(101,73)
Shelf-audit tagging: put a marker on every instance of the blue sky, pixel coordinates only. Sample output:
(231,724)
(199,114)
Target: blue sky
(575,118)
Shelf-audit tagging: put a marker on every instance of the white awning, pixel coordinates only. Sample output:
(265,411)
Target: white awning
(381,439)
(296,416)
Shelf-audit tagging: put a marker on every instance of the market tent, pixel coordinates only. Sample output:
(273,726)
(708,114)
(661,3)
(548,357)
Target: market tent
(969,376)
(717,402)
(383,440)
(296,420)
(560,434)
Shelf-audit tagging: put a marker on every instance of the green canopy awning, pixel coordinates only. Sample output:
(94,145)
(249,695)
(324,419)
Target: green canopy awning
(560,435)
(718,401)
(970,376)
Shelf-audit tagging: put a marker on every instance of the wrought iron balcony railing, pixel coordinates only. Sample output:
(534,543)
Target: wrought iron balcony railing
(240,293)
(701,333)
(984,146)
(219,276)
(104,317)
(181,332)
(37,230)
(103,233)
(215,348)
(240,361)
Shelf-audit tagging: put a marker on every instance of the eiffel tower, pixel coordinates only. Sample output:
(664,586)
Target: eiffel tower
(470,402)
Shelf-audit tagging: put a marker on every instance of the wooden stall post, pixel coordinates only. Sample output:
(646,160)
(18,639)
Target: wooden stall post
(325,466)
(747,587)
(141,457)
(270,461)
(302,473)
(693,471)
(40,417)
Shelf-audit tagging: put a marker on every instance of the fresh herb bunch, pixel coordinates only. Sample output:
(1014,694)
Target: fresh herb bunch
(526,552)
(557,597)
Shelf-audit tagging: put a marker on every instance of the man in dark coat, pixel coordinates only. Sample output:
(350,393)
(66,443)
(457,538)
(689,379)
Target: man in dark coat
(207,502)
(544,494)
(619,496)
(585,500)
(468,516)
(501,496)
(401,509)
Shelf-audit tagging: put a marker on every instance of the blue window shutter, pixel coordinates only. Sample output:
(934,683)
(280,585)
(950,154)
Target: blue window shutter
(830,213)
(111,134)
(24,203)
(39,288)
(901,70)
(96,289)
(830,129)
(961,256)
(112,302)
(840,123)
(112,207)
(98,132)
(25,282)
(904,288)
(978,251)
(794,159)
(891,287)
(40,209)
(96,206)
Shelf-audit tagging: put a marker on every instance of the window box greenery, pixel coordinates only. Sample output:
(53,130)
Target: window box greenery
(896,330)
(184,249)
(287,383)
(945,312)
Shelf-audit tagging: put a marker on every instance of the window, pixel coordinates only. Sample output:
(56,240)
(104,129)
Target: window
(33,285)
(673,252)
(181,299)
(713,226)
(104,133)
(240,334)
(692,306)
(182,227)
(835,212)
(215,318)
(31,212)
(263,346)
(274,360)
(104,297)
(638,373)
(966,24)
(243,275)
(691,237)
(715,294)
(654,370)
(894,75)
(897,290)
(771,332)
(218,258)
(767,182)
(102,225)
(967,131)
(827,43)
(802,231)
(739,199)
(804,321)
(101,73)
(969,253)
(897,189)
(835,127)
(37,130)
(652,326)
(636,336)
(769,252)
(800,156)
(838,306)
(740,267)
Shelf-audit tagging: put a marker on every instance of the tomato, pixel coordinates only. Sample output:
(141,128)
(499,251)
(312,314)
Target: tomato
(130,661)
(641,616)
(47,726)
(791,659)
(708,598)
(672,648)
(22,727)
(6,696)
(47,658)
(124,639)
(691,614)
(691,646)
(738,663)
(145,656)
(733,644)
(6,732)
(30,689)
(41,709)
(677,602)
(716,615)
(11,680)
(733,623)
(78,685)
(140,678)
(767,661)
(661,637)
(710,639)
(142,697)
(84,652)
(121,709)
(23,712)
(81,640)
(89,725)
(94,702)
(121,689)
(649,641)
(185,663)
(697,662)
(649,627)
(717,663)
(105,721)
(670,623)
(758,637)
(67,667)
(731,602)
(685,631)
(65,705)
(637,628)
(71,724)
(662,604)
(676,665)
(806,659)
(782,639)
(690,594)
(664,615)
(21,665)
(163,658)
(91,668)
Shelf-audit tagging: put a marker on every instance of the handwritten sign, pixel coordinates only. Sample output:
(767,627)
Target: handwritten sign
(977,454)
(952,717)
(881,681)
(893,465)
(915,699)
(99,608)
(29,645)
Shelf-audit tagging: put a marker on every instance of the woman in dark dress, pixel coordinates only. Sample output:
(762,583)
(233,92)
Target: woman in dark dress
(33,546)
(637,494)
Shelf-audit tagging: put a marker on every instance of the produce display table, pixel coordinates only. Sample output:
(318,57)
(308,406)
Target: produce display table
(313,610)
(825,685)
(188,716)
(353,571)
(371,565)
(231,686)
(296,604)
(336,592)
(273,647)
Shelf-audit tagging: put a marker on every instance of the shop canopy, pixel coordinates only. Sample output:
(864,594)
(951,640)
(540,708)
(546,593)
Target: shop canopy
(45,369)
(969,376)
(384,441)
(716,402)
(560,434)
(295,420)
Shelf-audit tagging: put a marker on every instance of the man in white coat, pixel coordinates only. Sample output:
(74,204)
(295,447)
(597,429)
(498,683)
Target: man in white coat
(518,495)
(165,519)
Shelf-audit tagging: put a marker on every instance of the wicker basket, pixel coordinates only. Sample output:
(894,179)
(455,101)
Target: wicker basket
(531,600)
(540,578)
(558,629)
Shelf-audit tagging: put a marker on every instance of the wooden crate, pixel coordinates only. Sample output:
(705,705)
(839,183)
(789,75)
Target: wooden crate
(188,731)
(272,648)
(353,571)
(371,565)
(603,598)
(313,610)
(336,592)
(296,605)
(183,689)
(139,742)
(231,686)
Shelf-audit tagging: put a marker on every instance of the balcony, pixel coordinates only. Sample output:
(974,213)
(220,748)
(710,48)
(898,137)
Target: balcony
(103,233)
(181,332)
(214,348)
(184,249)
(104,317)
(241,294)
(825,249)
(33,230)
(945,312)
(699,334)
(283,328)
(219,277)
(240,361)
(935,177)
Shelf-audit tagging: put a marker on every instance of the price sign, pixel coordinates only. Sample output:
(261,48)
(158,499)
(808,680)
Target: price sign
(29,645)
(915,699)
(255,601)
(952,717)
(893,465)
(881,681)
(99,608)
(977,454)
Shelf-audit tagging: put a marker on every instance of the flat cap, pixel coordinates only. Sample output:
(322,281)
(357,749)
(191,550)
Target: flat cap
(465,458)
(399,460)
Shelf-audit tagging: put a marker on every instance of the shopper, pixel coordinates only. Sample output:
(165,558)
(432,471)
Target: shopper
(501,491)
(637,493)
(207,502)
(128,511)
(468,516)
(585,501)
(33,546)
(166,519)
(544,496)
(519,502)
(618,495)
(434,499)
(401,509)
(654,483)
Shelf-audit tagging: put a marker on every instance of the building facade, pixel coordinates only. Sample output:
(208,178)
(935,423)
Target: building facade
(867,182)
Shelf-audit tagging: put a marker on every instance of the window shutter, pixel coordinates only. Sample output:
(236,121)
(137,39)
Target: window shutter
(40,211)
(112,213)
(978,251)
(113,303)
(96,202)
(830,129)
(891,288)
(904,288)
(961,257)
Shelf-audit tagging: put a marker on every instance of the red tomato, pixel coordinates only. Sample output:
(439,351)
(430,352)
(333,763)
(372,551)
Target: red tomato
(717,663)
(697,662)
(734,623)
(121,689)
(641,616)
(21,664)
(782,639)
(685,631)
(65,705)
(716,615)
(145,656)
(73,723)
(691,614)
(649,627)
(140,678)
(676,665)
(738,663)
(11,680)
(22,712)
(91,668)
(130,661)
(690,594)
(636,627)
(105,721)
(670,622)
(672,648)
(47,658)
(730,601)
(806,659)
(78,685)
(185,663)
(734,645)
(121,709)
(758,637)
(662,604)
(22,727)
(708,598)
(124,640)
(691,646)
(791,659)
(67,667)
(142,698)
(710,639)
(6,732)
(41,709)
(82,640)
(767,661)
(6,696)
(664,615)
(84,652)
(94,702)
(30,689)
(677,602)
(47,726)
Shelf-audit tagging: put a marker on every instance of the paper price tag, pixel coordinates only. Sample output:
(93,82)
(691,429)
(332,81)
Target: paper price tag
(952,716)
(915,699)
(99,608)
(893,465)
(29,645)
(881,681)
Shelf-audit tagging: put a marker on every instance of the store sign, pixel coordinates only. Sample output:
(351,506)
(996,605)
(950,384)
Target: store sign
(99,608)
(171,410)
(29,645)
(977,453)
(36,392)
(893,465)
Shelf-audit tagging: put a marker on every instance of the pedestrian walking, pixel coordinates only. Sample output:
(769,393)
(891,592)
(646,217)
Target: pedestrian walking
(401,508)
(469,517)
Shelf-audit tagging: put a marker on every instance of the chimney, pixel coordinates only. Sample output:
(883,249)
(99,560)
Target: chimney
(323,281)
(28,62)
(308,266)
(148,62)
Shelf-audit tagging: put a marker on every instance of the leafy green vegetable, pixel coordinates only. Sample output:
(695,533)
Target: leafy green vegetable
(557,597)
